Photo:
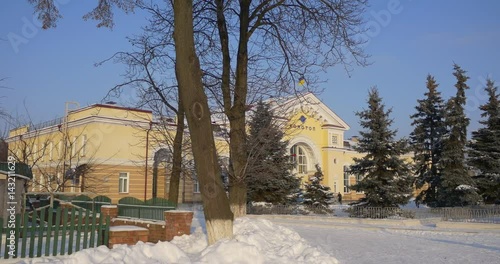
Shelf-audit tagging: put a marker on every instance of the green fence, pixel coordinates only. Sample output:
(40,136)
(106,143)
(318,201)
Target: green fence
(88,203)
(51,232)
(152,209)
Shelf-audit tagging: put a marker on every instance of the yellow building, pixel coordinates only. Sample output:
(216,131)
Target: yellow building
(101,149)
(105,149)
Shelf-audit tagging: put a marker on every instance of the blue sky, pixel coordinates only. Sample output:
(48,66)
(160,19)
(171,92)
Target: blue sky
(47,68)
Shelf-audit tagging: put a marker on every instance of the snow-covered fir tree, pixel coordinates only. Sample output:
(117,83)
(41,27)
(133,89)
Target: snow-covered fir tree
(457,187)
(269,172)
(316,194)
(484,152)
(426,142)
(386,181)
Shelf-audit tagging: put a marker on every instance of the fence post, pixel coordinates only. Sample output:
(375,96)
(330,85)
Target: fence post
(109,210)
(178,223)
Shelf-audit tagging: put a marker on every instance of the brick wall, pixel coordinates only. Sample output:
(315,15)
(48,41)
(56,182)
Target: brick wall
(176,223)
(129,235)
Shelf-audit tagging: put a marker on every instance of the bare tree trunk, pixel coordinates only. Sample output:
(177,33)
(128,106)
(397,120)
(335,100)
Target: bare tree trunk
(173,192)
(218,216)
(238,189)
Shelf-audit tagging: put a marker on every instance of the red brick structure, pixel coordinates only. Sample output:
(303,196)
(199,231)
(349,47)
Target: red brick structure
(111,210)
(156,229)
(178,223)
(129,235)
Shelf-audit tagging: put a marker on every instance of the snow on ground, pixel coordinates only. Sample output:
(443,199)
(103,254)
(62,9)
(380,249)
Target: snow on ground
(278,239)
(255,241)
(354,243)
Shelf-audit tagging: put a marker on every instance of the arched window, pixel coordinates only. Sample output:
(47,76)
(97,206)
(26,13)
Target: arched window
(298,154)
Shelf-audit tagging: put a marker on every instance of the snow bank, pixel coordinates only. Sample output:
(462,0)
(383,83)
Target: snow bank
(255,241)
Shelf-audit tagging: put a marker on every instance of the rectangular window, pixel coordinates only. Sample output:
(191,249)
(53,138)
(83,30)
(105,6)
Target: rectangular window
(33,183)
(346,179)
(196,186)
(35,153)
(73,147)
(335,187)
(123,182)
(84,143)
(51,149)
(335,140)
(60,154)
(358,179)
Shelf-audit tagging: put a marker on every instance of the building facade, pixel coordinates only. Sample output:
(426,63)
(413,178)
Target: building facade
(118,152)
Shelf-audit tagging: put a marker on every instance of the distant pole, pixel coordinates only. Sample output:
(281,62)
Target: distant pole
(146,169)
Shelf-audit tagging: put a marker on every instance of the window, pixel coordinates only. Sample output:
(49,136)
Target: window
(346,179)
(299,157)
(335,187)
(196,186)
(35,153)
(73,147)
(33,183)
(123,182)
(335,140)
(60,149)
(51,149)
(82,149)
(358,179)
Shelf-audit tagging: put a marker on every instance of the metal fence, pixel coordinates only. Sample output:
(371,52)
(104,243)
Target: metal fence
(482,214)
(152,209)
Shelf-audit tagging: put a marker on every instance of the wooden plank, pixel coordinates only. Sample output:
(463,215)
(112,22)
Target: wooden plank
(64,229)
(99,232)
(79,229)
(106,232)
(7,233)
(92,232)
(86,230)
(41,228)
(49,231)
(25,235)
(32,234)
(71,231)
(16,236)
(57,224)
(1,232)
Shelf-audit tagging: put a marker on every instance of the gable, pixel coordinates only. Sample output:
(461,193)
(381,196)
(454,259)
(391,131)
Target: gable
(311,107)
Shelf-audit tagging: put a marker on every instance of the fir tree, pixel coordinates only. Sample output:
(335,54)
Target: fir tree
(386,176)
(484,152)
(317,195)
(457,187)
(426,141)
(269,172)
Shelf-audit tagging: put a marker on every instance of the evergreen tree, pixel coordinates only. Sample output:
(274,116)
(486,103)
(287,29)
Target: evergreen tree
(269,172)
(386,176)
(316,194)
(484,152)
(426,141)
(457,187)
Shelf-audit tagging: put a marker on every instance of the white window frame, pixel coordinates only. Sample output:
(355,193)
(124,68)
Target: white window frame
(299,156)
(51,148)
(347,175)
(84,143)
(73,148)
(123,187)
(196,186)
(33,183)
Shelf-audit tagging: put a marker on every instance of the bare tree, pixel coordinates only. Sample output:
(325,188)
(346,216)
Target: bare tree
(57,158)
(146,67)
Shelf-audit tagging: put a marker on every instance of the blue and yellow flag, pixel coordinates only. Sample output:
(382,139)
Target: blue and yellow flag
(302,80)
